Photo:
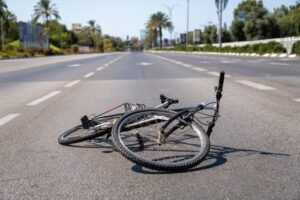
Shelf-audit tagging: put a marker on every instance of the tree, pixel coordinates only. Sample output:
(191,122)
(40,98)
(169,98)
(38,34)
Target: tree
(10,26)
(3,8)
(288,19)
(210,34)
(94,32)
(45,9)
(258,24)
(159,21)
(226,37)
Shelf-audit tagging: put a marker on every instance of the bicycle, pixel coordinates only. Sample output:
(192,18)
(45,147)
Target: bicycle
(100,125)
(135,142)
(167,140)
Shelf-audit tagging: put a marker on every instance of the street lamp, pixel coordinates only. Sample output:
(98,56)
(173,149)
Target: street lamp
(171,29)
(221,5)
(187,24)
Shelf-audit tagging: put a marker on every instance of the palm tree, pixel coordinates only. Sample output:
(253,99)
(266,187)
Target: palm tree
(45,9)
(3,10)
(159,21)
(92,24)
(95,31)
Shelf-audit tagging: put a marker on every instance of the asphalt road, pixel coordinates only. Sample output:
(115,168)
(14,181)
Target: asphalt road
(255,151)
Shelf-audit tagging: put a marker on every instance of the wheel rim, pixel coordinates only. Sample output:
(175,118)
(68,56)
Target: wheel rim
(182,146)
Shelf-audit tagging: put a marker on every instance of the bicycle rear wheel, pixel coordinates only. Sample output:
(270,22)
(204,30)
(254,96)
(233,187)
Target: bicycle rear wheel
(135,136)
(79,134)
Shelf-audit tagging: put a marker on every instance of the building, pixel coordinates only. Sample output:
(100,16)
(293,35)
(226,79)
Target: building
(76,27)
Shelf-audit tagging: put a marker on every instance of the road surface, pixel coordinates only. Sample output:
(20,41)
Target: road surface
(255,151)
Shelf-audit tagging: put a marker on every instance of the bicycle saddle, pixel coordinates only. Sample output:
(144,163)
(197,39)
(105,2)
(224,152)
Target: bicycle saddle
(164,98)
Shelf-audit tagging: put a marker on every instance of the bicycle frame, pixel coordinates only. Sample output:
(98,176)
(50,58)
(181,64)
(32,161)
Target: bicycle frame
(185,115)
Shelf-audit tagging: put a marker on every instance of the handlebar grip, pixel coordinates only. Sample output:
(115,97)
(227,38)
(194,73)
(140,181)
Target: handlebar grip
(221,80)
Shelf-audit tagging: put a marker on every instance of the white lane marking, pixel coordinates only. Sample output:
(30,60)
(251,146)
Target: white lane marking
(144,64)
(106,65)
(179,63)
(44,98)
(255,85)
(72,83)
(74,65)
(228,61)
(89,75)
(187,65)
(8,118)
(100,68)
(204,61)
(217,74)
(281,64)
(199,69)
(253,61)
(297,100)
(285,59)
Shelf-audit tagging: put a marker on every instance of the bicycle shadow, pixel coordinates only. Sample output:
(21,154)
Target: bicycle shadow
(99,143)
(215,158)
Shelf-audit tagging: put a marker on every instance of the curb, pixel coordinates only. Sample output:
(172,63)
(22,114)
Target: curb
(273,55)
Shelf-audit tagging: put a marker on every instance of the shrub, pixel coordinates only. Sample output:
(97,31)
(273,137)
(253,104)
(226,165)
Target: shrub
(10,47)
(75,48)
(296,48)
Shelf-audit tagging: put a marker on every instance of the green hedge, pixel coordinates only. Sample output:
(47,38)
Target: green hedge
(271,47)
(296,48)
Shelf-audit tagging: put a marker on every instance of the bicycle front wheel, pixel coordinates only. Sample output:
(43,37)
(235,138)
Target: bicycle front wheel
(136,133)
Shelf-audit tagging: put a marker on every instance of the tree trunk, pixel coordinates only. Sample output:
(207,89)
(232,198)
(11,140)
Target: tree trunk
(160,37)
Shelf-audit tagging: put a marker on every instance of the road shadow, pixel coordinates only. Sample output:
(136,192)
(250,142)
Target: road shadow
(216,157)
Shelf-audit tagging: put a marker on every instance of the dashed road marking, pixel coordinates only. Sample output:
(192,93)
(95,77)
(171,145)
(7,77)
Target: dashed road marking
(44,98)
(199,69)
(89,75)
(144,64)
(72,83)
(253,61)
(8,118)
(106,65)
(74,65)
(179,63)
(100,68)
(217,74)
(297,100)
(255,85)
(281,64)
(187,65)
(228,61)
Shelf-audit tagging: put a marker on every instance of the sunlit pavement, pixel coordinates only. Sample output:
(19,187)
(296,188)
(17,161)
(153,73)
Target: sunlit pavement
(255,145)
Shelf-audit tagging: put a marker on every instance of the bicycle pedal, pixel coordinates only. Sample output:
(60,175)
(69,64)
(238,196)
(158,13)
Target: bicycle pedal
(140,141)
(107,136)
(86,123)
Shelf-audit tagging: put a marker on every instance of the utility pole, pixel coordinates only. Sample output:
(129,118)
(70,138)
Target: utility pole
(187,24)
(221,5)
(171,29)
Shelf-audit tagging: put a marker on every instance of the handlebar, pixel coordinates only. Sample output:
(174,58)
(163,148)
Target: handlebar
(221,80)
(220,86)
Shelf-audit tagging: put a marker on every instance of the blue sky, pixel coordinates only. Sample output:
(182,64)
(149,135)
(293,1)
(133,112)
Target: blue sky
(128,17)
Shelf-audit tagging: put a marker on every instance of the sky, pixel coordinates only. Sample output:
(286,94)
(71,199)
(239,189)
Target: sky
(124,18)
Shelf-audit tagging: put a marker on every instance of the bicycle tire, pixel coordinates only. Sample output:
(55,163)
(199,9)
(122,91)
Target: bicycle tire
(80,133)
(137,144)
